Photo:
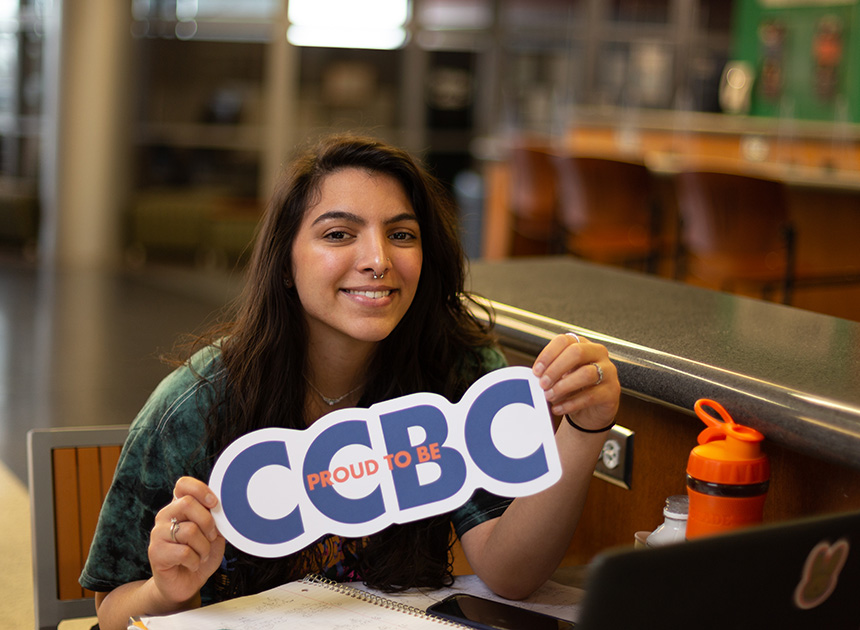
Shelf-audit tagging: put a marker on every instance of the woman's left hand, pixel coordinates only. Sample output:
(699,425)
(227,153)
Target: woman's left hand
(579,380)
(516,553)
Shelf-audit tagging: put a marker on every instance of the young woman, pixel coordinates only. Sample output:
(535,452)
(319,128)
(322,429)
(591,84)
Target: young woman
(354,295)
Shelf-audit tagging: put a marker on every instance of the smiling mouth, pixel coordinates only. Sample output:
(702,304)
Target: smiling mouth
(375,295)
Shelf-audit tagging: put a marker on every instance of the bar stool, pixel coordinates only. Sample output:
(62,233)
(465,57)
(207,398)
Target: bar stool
(609,211)
(735,233)
(533,202)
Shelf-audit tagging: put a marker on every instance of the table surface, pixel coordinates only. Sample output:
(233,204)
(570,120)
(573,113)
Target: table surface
(790,373)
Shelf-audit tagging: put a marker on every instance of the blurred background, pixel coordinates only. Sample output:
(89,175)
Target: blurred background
(152,130)
(710,142)
(139,141)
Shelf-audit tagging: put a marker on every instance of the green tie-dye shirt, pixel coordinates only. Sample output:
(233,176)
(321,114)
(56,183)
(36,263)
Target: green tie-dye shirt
(165,442)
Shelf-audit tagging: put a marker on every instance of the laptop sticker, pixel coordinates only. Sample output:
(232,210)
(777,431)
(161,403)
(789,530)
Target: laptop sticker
(821,573)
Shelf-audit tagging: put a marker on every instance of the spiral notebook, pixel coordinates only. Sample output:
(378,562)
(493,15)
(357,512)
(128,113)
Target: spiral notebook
(314,602)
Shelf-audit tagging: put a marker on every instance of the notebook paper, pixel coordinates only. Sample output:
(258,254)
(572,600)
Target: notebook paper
(315,603)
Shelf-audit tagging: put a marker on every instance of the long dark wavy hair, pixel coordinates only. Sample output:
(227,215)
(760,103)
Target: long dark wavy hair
(436,347)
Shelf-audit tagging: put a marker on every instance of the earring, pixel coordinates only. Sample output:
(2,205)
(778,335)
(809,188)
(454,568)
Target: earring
(288,283)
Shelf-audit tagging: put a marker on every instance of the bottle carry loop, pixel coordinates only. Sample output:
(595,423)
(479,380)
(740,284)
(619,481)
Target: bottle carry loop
(726,427)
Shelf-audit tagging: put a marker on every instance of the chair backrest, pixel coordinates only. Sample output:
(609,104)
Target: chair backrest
(598,193)
(533,200)
(70,471)
(731,213)
(608,210)
(736,230)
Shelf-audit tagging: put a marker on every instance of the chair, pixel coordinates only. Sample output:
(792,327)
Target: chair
(735,233)
(70,470)
(609,211)
(533,200)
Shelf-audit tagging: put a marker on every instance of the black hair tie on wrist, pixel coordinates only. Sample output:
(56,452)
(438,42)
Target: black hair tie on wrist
(584,430)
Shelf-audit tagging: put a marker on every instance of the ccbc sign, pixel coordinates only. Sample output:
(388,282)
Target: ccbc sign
(356,471)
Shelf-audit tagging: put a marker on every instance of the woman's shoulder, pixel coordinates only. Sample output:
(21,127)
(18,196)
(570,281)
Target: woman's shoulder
(186,393)
(492,357)
(483,359)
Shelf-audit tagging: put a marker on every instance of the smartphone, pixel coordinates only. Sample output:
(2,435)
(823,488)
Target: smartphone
(487,614)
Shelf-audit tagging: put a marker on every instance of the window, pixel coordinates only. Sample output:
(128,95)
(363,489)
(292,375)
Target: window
(377,24)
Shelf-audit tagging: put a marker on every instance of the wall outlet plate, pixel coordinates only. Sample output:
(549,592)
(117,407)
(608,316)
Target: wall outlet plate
(615,463)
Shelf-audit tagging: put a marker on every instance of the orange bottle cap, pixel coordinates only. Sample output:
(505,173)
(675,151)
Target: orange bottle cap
(728,453)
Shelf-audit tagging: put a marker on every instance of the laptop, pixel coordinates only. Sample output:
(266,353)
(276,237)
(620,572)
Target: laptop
(795,574)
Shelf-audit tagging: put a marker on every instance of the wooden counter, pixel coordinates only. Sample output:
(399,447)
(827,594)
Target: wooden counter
(828,146)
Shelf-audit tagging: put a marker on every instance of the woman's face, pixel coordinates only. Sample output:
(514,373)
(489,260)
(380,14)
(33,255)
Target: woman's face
(363,225)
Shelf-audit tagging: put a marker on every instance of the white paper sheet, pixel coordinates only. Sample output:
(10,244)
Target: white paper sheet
(298,606)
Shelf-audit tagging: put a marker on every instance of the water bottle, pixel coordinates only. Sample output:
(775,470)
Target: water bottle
(727,475)
(674,527)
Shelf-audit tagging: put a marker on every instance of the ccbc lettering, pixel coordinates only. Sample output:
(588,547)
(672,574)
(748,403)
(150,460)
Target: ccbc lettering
(356,471)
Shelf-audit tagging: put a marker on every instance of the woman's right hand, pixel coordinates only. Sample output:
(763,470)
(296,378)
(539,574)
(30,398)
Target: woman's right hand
(184,553)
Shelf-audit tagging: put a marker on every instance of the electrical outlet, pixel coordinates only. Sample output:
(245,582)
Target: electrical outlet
(615,464)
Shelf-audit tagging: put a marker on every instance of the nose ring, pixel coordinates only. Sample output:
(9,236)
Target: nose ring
(379,276)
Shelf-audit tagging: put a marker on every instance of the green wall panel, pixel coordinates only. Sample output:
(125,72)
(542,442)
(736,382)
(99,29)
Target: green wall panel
(795,85)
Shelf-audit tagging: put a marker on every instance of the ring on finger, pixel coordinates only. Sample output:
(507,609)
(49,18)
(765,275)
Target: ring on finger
(599,374)
(174,527)
(574,335)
